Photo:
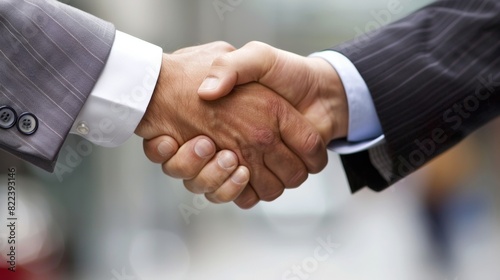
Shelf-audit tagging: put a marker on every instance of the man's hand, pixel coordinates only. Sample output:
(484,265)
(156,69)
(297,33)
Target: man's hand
(310,84)
(217,175)
(267,134)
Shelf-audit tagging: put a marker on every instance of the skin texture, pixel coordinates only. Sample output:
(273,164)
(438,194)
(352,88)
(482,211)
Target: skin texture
(309,84)
(218,176)
(259,126)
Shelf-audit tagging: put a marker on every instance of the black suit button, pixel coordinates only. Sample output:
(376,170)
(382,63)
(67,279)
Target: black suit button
(8,117)
(27,124)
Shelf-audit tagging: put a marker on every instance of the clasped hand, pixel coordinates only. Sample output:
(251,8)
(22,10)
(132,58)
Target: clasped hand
(258,124)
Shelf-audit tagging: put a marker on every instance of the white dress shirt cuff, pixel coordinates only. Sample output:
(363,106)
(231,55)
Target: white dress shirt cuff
(364,130)
(122,93)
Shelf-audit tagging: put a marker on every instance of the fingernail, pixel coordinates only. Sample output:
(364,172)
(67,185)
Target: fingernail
(203,148)
(165,149)
(209,83)
(240,176)
(227,160)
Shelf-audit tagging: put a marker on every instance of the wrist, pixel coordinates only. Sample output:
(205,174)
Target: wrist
(150,124)
(333,97)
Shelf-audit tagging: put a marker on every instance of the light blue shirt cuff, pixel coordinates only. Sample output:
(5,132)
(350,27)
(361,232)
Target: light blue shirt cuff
(344,147)
(364,130)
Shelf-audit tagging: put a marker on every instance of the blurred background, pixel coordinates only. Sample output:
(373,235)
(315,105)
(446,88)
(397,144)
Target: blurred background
(110,214)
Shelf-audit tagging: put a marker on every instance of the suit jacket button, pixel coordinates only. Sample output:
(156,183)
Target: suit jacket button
(27,124)
(8,117)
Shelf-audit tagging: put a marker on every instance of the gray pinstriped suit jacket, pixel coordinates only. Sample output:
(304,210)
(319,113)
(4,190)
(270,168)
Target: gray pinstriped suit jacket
(434,77)
(50,58)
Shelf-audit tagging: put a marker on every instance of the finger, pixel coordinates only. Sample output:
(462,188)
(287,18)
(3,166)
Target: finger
(232,187)
(218,46)
(298,134)
(286,165)
(186,50)
(214,174)
(160,149)
(248,198)
(190,158)
(248,64)
(266,185)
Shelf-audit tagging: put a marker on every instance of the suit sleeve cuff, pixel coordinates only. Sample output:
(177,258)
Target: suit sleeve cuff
(122,93)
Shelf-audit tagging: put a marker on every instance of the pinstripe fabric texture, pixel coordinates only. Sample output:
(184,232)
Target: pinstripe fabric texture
(51,56)
(434,77)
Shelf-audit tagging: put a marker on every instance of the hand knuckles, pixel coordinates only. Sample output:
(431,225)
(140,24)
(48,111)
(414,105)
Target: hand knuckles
(313,144)
(179,170)
(248,154)
(225,197)
(199,188)
(246,201)
(261,139)
(272,195)
(321,165)
(167,170)
(191,187)
(265,137)
(211,198)
(297,179)
(224,46)
(221,61)
(314,147)
(208,185)
(256,45)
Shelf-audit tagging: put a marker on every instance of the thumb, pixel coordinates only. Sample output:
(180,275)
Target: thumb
(251,63)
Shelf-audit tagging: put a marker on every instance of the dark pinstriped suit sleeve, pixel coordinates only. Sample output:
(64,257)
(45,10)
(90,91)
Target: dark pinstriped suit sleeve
(51,56)
(434,77)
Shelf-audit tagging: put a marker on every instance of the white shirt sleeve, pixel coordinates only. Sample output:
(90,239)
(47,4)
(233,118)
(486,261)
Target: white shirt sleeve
(364,130)
(122,93)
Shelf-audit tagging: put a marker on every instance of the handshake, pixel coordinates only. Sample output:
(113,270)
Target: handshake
(243,125)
